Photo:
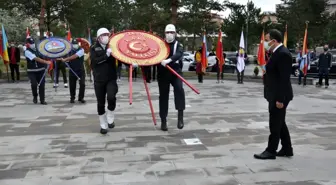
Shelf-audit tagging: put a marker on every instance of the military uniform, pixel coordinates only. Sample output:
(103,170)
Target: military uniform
(167,78)
(105,81)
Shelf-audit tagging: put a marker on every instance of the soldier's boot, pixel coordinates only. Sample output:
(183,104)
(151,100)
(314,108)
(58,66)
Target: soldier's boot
(180,123)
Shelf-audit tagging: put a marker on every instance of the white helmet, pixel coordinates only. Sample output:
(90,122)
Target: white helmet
(170,28)
(102,31)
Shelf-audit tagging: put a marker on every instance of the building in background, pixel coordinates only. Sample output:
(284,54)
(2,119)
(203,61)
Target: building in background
(269,17)
(332,6)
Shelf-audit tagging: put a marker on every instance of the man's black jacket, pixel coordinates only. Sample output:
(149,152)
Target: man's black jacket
(103,67)
(277,80)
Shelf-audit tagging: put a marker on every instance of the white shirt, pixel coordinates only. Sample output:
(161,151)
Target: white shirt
(80,53)
(277,47)
(29,55)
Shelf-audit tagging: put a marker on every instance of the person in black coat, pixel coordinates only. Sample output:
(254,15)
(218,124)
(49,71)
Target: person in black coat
(278,92)
(324,66)
(14,61)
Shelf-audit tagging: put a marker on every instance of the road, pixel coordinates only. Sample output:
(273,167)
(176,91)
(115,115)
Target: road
(226,124)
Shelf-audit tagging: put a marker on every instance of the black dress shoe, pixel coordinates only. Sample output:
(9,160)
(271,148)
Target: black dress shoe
(112,125)
(180,124)
(35,100)
(72,101)
(82,101)
(103,131)
(285,153)
(164,126)
(265,155)
(43,103)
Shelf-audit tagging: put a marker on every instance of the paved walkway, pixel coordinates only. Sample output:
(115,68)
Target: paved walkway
(59,144)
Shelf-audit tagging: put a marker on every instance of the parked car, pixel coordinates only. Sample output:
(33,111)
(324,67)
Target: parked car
(188,56)
(232,56)
(229,66)
(313,71)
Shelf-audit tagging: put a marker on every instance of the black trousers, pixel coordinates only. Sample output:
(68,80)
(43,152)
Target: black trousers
(134,73)
(72,84)
(61,67)
(324,72)
(164,89)
(154,72)
(109,88)
(148,73)
(221,74)
(278,128)
(14,69)
(35,78)
(200,78)
(240,76)
(304,78)
(119,70)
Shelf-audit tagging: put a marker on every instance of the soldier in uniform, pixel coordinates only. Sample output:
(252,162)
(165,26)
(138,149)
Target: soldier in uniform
(165,78)
(35,68)
(76,62)
(198,59)
(105,79)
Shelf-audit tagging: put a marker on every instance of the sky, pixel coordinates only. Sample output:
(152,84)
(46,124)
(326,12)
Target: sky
(265,5)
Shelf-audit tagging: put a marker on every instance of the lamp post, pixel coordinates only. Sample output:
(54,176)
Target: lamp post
(247,23)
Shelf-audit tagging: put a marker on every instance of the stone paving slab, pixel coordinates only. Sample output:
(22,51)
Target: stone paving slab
(59,144)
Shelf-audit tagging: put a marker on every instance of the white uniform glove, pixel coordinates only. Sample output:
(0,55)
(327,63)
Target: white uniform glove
(108,52)
(135,65)
(165,62)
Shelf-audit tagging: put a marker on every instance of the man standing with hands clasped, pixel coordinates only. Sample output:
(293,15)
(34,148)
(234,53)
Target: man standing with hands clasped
(278,92)
(324,66)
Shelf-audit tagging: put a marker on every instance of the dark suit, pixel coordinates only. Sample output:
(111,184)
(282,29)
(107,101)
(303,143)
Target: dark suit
(278,88)
(14,62)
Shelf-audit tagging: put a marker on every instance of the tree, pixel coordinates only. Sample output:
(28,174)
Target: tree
(296,12)
(198,18)
(15,27)
(236,22)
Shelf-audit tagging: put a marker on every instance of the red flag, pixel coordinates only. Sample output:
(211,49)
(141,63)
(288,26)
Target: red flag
(69,35)
(261,52)
(219,51)
(305,51)
(27,33)
(204,54)
(51,66)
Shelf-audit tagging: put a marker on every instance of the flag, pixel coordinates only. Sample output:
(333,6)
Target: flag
(204,54)
(27,33)
(112,33)
(285,37)
(89,36)
(261,53)
(241,54)
(69,35)
(4,50)
(304,61)
(50,69)
(219,51)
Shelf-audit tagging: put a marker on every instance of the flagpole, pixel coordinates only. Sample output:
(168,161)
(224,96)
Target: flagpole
(247,23)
